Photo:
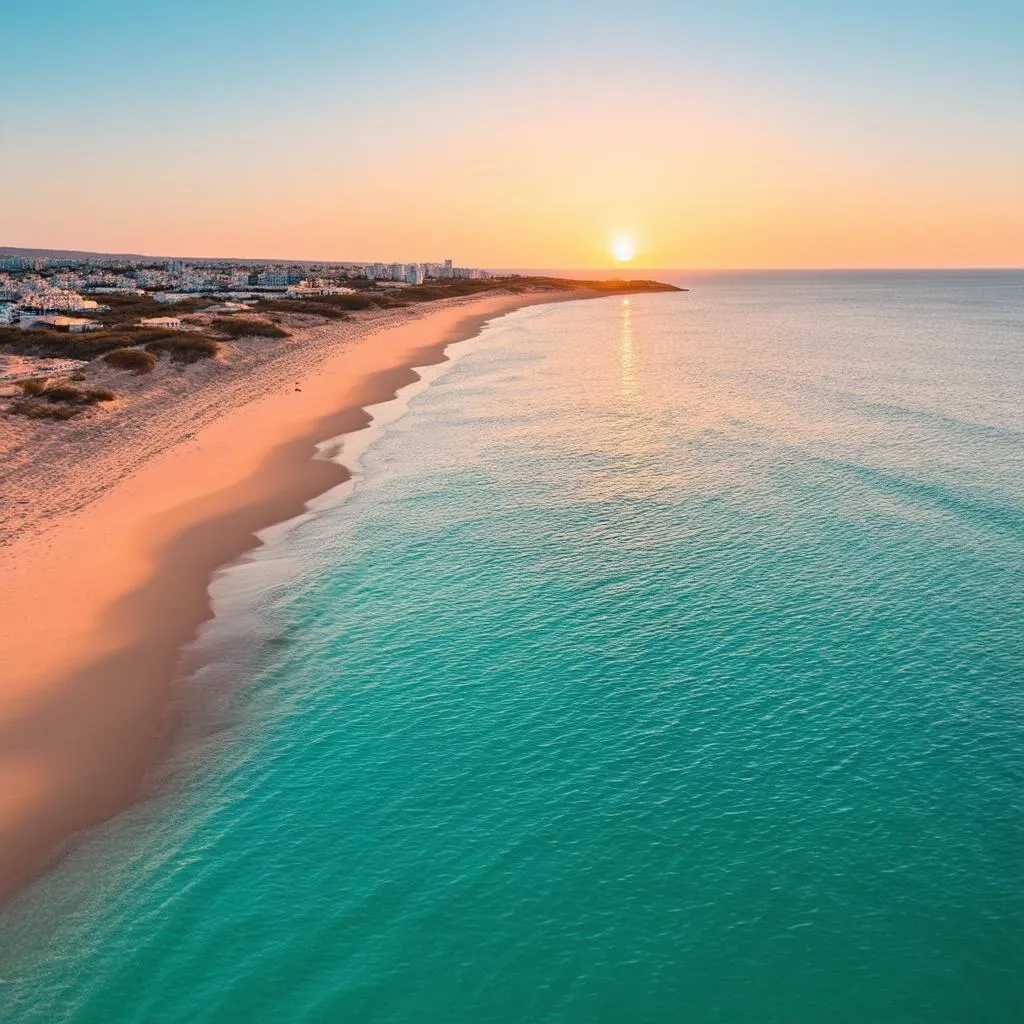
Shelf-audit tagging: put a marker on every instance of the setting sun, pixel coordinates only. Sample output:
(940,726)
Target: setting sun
(623,249)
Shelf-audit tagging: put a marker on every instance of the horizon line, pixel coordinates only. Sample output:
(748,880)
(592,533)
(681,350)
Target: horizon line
(42,252)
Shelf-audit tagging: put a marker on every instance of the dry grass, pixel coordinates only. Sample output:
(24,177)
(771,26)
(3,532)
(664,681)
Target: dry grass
(184,347)
(137,359)
(56,401)
(57,345)
(41,410)
(247,327)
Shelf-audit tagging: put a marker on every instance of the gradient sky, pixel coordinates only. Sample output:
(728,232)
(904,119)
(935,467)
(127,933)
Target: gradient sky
(729,134)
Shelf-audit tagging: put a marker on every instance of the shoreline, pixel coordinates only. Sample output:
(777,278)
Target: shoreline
(88,684)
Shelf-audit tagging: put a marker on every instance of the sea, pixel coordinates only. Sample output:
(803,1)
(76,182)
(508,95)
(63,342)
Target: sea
(662,662)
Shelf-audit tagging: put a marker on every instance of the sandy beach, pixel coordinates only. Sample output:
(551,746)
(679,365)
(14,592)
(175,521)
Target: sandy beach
(111,531)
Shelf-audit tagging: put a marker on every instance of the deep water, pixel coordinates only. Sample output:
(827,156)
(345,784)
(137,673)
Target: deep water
(663,664)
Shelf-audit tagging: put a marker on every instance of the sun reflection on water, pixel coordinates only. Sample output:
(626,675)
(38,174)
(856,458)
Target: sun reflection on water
(627,354)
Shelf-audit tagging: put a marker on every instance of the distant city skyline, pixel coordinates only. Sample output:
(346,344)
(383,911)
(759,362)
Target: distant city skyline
(740,135)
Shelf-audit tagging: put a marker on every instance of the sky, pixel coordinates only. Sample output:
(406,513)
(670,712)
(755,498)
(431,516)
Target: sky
(732,134)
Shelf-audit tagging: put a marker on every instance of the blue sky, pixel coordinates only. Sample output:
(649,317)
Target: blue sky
(208,97)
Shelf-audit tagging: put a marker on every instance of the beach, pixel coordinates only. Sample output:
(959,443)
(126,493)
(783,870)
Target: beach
(110,545)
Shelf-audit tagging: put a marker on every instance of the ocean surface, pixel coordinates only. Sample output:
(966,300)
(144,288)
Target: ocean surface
(663,663)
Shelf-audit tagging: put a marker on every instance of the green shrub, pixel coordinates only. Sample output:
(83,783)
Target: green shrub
(33,387)
(99,395)
(136,359)
(247,327)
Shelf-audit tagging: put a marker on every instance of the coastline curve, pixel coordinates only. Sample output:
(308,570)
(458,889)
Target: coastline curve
(85,702)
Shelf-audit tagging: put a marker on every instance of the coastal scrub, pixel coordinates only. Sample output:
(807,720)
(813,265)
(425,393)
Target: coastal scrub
(137,359)
(247,327)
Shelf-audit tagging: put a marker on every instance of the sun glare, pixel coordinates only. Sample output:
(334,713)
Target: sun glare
(623,249)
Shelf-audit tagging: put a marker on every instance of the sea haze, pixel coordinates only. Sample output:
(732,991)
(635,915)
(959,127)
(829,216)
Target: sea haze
(662,664)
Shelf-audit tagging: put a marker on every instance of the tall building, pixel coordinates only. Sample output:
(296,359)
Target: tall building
(272,278)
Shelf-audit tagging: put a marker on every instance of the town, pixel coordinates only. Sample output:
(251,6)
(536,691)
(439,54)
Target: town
(66,293)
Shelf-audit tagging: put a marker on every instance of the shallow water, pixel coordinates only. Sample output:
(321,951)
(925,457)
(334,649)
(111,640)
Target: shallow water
(663,664)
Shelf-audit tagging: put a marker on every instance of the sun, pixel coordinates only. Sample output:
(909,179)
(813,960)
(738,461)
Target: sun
(623,249)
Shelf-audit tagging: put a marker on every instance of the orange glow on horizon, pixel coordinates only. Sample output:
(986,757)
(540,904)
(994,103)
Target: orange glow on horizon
(730,191)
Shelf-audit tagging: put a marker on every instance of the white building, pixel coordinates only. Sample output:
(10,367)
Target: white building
(152,278)
(170,323)
(74,324)
(116,289)
(272,279)
(312,289)
(228,307)
(56,300)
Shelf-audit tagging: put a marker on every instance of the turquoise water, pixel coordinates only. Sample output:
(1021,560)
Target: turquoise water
(663,664)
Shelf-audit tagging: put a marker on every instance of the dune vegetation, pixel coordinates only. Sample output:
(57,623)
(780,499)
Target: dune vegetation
(247,327)
(56,401)
(137,359)
(182,346)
